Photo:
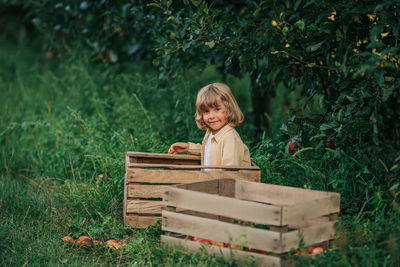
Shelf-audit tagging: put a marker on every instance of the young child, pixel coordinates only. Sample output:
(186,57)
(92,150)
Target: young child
(217,112)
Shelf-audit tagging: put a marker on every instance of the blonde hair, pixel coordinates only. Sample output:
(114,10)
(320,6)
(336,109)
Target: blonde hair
(209,95)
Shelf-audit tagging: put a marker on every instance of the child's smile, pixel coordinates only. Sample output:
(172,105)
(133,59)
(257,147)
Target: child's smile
(215,117)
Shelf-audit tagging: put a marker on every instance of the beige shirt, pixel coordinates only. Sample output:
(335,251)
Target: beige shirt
(227,149)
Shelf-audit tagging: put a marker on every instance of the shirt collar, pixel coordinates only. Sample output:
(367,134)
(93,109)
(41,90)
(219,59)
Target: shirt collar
(217,137)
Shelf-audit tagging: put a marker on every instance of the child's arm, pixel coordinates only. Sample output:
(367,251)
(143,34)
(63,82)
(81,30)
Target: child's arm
(181,147)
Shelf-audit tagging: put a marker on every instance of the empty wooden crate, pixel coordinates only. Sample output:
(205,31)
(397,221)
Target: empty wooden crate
(148,174)
(266,218)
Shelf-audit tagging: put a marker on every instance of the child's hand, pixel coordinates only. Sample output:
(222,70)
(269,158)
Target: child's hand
(178,148)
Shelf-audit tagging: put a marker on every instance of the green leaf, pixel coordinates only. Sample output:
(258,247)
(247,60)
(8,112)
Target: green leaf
(154,4)
(297,4)
(329,125)
(170,17)
(300,24)
(205,9)
(196,3)
(315,47)
(256,12)
(210,44)
(169,3)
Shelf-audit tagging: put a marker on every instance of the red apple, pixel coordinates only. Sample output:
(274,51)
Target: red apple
(83,241)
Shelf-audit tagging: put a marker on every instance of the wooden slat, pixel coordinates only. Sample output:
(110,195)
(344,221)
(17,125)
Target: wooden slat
(277,194)
(144,206)
(211,187)
(140,221)
(310,222)
(190,167)
(145,191)
(223,206)
(161,155)
(184,176)
(125,189)
(247,257)
(221,231)
(305,210)
(167,161)
(310,235)
(226,187)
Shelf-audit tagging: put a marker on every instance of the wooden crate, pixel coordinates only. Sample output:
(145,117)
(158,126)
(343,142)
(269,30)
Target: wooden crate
(148,174)
(258,216)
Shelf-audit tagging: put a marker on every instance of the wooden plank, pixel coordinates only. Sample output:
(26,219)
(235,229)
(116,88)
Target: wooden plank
(223,206)
(161,155)
(125,189)
(145,191)
(211,187)
(144,206)
(185,176)
(190,167)
(310,222)
(168,161)
(305,210)
(140,221)
(221,231)
(277,194)
(310,235)
(226,187)
(246,257)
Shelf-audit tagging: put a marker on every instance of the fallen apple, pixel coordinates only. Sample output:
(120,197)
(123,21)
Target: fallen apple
(316,250)
(83,241)
(68,239)
(113,243)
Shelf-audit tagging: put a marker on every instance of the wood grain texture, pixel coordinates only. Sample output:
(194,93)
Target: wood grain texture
(186,176)
(245,256)
(136,221)
(145,191)
(189,167)
(223,206)
(305,210)
(310,235)
(144,206)
(221,231)
(134,154)
(277,194)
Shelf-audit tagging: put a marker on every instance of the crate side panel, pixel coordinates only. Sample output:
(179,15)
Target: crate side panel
(248,257)
(310,209)
(211,186)
(223,206)
(145,191)
(185,176)
(168,161)
(310,235)
(276,194)
(221,231)
(137,221)
(226,187)
(192,167)
(144,206)
(134,154)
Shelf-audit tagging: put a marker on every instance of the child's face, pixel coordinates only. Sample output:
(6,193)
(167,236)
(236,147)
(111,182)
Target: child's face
(215,117)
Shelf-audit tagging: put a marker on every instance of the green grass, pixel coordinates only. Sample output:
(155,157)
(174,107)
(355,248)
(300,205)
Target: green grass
(65,124)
